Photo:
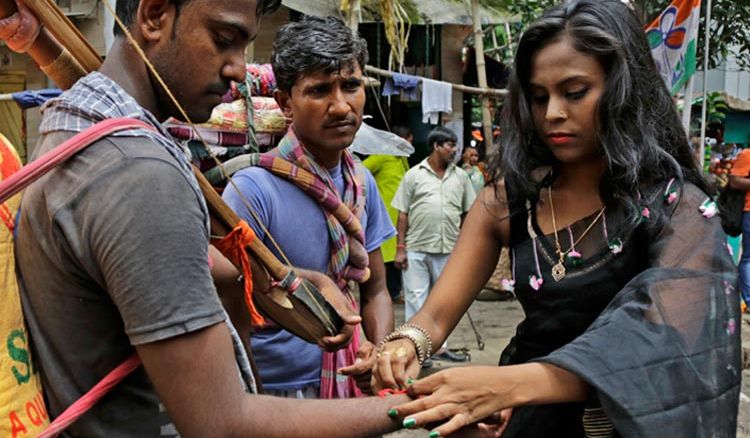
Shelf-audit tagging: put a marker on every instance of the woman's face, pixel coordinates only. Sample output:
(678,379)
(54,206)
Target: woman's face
(565,88)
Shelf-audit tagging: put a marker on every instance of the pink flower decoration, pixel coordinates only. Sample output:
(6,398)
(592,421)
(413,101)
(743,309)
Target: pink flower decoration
(671,197)
(728,288)
(508,285)
(574,253)
(535,283)
(646,213)
(731,326)
(708,209)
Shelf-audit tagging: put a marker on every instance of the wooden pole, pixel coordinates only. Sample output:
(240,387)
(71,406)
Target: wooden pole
(354,12)
(482,73)
(456,87)
(63,30)
(707,36)
(45,49)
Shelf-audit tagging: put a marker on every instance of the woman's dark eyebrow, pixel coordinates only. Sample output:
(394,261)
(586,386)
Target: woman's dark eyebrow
(564,82)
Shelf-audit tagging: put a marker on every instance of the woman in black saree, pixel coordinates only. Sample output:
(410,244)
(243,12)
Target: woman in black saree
(621,266)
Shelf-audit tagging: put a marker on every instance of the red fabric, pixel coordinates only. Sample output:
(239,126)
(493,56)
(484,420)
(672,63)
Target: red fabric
(233,247)
(83,404)
(31,172)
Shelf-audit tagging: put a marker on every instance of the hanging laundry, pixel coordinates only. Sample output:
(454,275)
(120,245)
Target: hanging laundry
(437,97)
(406,85)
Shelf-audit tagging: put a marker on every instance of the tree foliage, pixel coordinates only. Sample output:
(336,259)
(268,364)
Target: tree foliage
(730,28)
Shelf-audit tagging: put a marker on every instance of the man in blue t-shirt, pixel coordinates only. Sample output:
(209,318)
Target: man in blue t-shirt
(318,66)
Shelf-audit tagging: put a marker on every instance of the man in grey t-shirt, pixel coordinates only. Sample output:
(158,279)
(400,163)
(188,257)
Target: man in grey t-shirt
(112,248)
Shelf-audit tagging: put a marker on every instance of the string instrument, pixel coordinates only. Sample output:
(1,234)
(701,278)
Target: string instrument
(304,311)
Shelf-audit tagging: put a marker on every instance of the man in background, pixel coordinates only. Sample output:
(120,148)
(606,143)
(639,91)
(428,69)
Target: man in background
(388,171)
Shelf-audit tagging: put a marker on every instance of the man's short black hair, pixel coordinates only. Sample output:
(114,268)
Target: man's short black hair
(126,10)
(402,131)
(315,45)
(440,135)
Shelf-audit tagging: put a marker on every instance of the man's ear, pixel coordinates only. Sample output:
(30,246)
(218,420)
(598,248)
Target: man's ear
(283,99)
(155,19)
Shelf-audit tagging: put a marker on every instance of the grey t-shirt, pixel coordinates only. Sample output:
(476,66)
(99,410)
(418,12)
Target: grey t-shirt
(112,250)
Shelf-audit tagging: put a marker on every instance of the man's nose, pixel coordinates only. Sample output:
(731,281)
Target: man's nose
(235,68)
(338,104)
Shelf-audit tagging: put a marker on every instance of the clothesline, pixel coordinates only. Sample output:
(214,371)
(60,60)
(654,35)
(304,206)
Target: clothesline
(456,87)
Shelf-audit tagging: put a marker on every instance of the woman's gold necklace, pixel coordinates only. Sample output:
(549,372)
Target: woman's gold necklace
(558,270)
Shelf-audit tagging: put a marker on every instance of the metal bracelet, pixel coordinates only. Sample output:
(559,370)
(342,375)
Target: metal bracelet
(421,356)
(417,336)
(423,332)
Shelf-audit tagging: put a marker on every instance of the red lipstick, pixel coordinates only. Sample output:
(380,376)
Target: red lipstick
(559,138)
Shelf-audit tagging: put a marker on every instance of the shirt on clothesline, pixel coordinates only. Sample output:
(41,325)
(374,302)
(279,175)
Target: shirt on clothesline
(437,97)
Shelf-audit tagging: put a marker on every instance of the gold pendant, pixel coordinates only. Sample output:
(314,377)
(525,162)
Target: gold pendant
(558,271)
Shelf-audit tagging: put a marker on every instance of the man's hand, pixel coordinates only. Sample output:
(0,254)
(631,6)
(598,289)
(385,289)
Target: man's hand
(338,301)
(361,371)
(401,262)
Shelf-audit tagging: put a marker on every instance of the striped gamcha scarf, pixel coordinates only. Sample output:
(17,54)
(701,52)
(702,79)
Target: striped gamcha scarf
(349,259)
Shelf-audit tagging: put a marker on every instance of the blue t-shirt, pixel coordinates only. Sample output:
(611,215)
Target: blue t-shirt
(298,225)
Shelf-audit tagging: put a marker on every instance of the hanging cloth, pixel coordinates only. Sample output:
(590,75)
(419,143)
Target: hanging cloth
(437,97)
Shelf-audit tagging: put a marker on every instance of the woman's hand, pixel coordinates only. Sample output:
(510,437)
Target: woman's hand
(492,427)
(395,364)
(459,397)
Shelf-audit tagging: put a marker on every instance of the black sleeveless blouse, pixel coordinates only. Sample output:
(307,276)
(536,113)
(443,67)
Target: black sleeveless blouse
(560,311)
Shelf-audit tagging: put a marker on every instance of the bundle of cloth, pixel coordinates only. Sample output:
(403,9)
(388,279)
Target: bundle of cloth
(249,120)
(229,133)
(260,79)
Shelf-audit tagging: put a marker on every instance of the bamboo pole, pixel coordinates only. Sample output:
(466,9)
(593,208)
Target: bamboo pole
(456,87)
(45,49)
(706,53)
(354,11)
(65,33)
(481,73)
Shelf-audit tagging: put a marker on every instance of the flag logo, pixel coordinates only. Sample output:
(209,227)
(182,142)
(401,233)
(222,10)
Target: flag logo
(673,37)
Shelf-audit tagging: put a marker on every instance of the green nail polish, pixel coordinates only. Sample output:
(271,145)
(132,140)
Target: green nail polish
(409,423)
(393,413)
(434,434)
(409,381)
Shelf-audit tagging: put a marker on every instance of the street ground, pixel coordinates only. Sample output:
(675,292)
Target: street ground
(496,322)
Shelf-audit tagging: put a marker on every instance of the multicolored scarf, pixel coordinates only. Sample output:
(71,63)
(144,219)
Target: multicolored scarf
(349,259)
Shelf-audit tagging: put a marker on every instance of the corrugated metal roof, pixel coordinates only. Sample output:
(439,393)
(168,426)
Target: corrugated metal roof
(430,11)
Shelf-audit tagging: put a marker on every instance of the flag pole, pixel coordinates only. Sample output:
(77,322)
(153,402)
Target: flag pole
(687,104)
(707,36)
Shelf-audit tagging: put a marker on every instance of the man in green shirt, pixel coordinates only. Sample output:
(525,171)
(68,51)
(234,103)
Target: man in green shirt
(431,200)
(388,171)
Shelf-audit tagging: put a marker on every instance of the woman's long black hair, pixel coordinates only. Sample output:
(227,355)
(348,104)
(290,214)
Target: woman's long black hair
(640,131)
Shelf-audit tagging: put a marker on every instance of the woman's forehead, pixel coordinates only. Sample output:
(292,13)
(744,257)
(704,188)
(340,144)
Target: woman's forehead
(559,62)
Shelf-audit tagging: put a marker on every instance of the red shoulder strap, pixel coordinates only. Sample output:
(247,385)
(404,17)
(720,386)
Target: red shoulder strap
(35,170)
(21,179)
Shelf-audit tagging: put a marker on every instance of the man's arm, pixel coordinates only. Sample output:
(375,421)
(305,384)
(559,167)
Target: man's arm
(402,226)
(739,183)
(196,378)
(377,310)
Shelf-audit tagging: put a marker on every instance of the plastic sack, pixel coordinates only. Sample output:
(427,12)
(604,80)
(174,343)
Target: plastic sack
(22,409)
(372,141)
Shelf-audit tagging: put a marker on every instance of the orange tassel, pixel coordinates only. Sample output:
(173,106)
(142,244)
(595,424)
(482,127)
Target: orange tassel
(233,247)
